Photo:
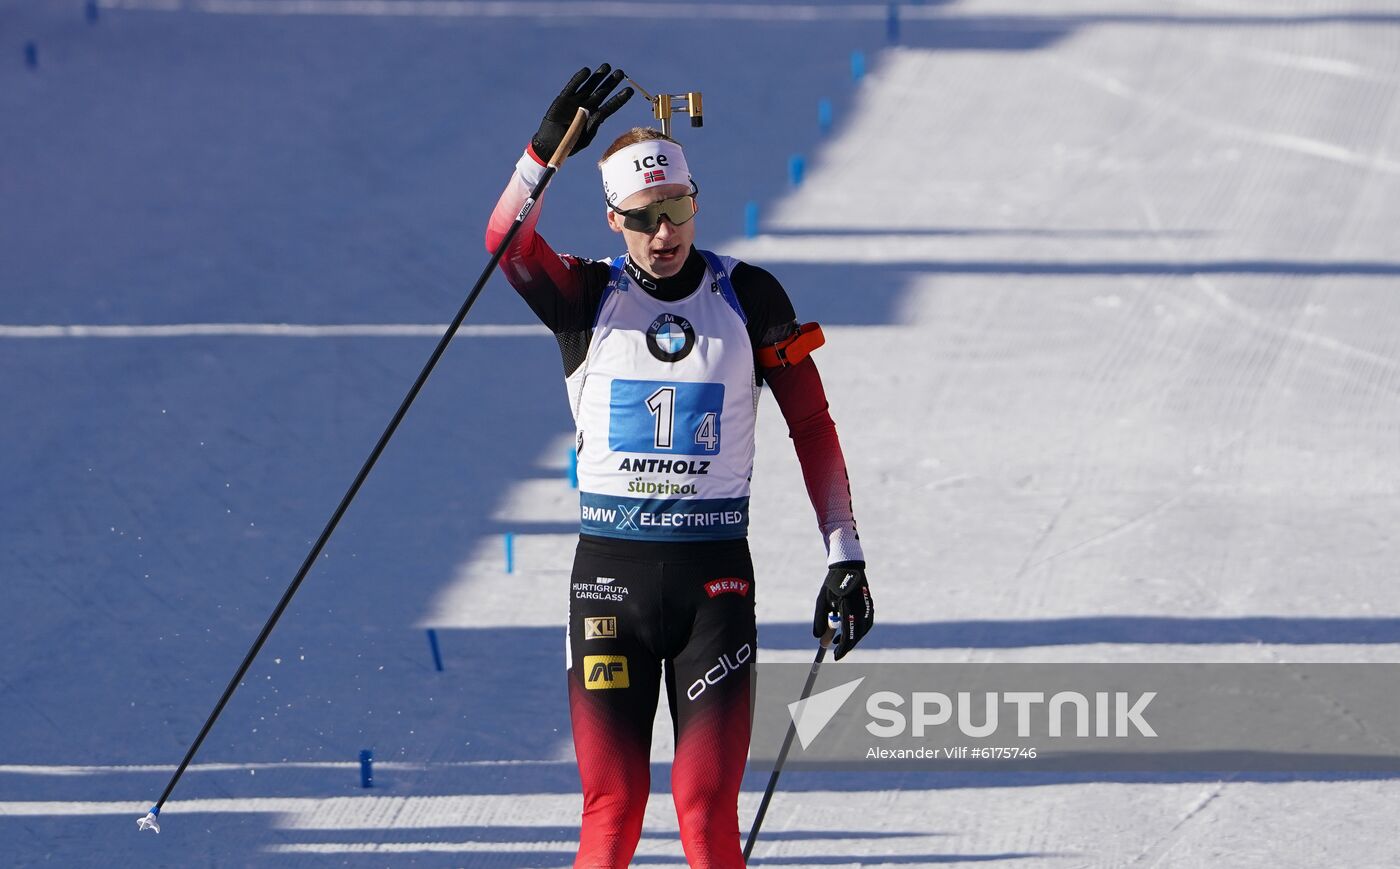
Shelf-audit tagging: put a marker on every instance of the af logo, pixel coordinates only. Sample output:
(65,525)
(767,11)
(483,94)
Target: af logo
(670,338)
(601,672)
(600,627)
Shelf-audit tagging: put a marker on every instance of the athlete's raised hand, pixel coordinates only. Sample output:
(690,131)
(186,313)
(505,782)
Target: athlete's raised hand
(587,90)
(845,593)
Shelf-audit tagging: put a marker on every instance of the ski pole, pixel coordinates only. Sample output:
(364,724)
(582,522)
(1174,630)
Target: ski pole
(831,626)
(150,821)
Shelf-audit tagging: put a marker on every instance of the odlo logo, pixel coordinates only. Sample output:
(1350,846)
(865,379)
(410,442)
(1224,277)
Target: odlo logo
(604,671)
(719,671)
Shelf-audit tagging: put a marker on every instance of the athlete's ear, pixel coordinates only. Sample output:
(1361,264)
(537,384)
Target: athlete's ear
(612,221)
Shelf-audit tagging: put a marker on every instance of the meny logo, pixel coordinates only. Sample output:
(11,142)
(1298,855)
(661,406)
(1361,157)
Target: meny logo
(731,584)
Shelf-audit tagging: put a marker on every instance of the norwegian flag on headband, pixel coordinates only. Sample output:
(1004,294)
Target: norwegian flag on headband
(654,176)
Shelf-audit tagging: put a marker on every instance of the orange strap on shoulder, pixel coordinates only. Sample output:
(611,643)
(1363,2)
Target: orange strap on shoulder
(792,349)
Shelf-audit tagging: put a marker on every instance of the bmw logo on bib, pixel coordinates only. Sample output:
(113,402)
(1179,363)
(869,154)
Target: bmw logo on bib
(670,338)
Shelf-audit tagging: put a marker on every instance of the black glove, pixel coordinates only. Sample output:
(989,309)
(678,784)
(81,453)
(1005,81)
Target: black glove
(587,90)
(846,593)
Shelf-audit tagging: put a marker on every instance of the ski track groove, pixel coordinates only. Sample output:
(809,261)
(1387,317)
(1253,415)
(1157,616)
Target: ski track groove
(1341,709)
(1158,850)
(1240,384)
(1273,139)
(1317,64)
(1114,533)
(1133,351)
(1098,392)
(1265,352)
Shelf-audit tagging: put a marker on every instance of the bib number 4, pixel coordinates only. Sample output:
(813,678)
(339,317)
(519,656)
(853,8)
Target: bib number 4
(707,435)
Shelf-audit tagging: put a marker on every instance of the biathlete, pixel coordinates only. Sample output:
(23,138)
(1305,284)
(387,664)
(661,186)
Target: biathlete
(665,350)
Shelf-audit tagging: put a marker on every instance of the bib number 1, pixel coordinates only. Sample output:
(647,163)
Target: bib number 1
(662,404)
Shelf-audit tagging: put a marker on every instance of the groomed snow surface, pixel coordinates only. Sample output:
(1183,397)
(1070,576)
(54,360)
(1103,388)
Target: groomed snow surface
(1113,330)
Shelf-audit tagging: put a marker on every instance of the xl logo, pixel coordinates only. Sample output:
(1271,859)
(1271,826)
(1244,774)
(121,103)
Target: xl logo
(650,162)
(605,671)
(600,627)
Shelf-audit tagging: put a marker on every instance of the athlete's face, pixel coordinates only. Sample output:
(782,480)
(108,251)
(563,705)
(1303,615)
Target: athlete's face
(662,251)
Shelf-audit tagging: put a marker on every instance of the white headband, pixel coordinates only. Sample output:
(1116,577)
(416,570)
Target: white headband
(642,166)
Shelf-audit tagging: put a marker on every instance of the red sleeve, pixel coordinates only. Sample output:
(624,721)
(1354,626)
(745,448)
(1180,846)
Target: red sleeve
(802,399)
(561,290)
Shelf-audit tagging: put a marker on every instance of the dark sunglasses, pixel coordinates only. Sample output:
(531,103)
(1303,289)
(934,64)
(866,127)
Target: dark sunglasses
(679,210)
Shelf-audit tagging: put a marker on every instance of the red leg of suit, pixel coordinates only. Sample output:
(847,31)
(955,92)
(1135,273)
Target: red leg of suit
(711,749)
(614,766)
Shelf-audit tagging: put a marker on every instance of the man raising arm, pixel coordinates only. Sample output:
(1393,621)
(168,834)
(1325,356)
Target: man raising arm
(665,350)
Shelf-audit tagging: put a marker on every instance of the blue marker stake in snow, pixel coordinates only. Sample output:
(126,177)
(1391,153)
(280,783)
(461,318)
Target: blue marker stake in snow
(751,220)
(892,23)
(366,769)
(572,471)
(796,165)
(433,644)
(510,553)
(824,115)
(31,55)
(857,65)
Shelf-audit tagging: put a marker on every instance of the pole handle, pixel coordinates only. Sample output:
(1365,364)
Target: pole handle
(833,624)
(570,137)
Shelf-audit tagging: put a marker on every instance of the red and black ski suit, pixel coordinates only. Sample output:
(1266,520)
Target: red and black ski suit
(673,610)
